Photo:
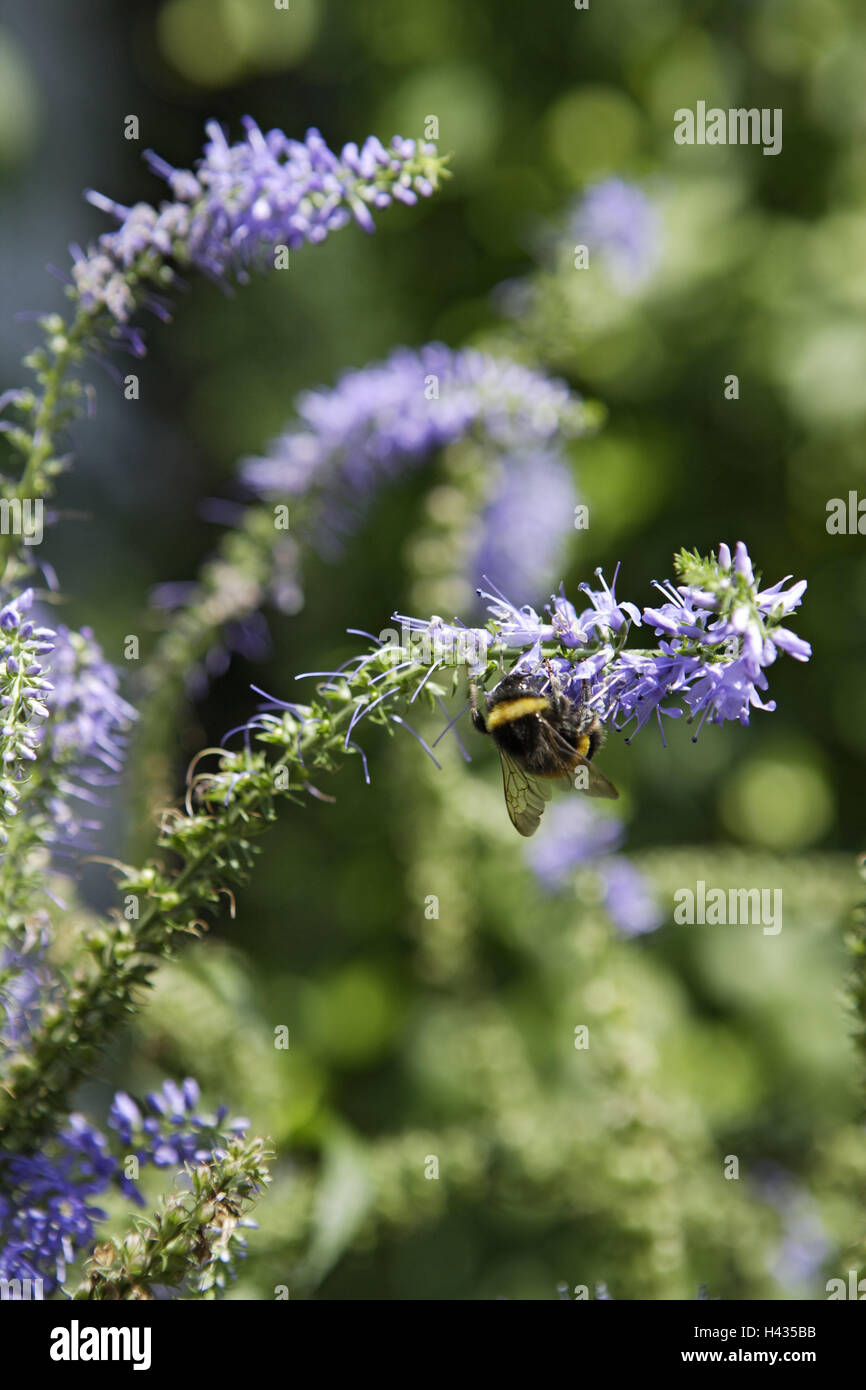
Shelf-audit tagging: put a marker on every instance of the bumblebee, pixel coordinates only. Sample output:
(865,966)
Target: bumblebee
(543,735)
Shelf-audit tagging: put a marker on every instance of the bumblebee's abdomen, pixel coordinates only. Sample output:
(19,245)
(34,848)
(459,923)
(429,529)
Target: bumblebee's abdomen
(519,738)
(538,746)
(561,762)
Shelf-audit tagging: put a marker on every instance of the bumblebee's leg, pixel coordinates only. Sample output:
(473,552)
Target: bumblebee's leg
(590,723)
(558,700)
(476,712)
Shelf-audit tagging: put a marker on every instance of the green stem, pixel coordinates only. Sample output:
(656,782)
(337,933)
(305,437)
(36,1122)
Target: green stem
(66,346)
(217,854)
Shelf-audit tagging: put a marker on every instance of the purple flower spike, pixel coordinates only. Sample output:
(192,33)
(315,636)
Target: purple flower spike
(241,204)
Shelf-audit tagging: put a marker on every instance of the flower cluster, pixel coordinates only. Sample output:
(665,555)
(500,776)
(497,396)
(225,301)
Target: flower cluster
(47,1211)
(46,1208)
(24,691)
(622,222)
(804,1243)
(242,201)
(525,527)
(269,188)
(27,986)
(168,1131)
(382,419)
(85,737)
(61,704)
(377,419)
(628,897)
(719,633)
(74,753)
(55,809)
(577,836)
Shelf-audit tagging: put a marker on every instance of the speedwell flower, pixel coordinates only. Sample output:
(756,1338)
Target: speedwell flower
(47,1212)
(385,419)
(718,630)
(240,203)
(622,222)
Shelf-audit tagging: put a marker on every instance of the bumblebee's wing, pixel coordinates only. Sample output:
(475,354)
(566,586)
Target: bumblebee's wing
(596,784)
(525,796)
(584,775)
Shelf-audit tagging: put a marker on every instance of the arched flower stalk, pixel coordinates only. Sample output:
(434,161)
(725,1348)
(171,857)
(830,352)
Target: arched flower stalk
(232,213)
(722,632)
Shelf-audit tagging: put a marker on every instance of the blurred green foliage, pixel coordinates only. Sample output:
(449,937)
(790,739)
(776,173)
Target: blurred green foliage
(453,1038)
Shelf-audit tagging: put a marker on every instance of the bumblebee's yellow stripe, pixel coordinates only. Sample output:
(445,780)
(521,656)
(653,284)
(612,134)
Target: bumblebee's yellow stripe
(509,710)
